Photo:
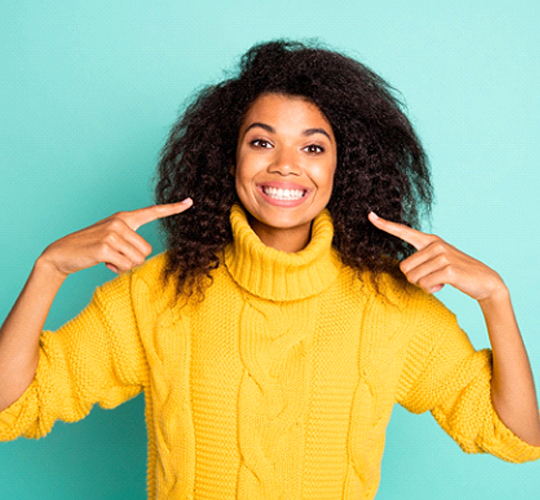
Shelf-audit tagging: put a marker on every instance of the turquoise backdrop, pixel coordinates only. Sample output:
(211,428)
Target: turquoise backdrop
(88,92)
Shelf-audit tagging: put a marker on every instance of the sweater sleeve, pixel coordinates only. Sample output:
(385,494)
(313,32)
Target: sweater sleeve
(444,374)
(97,357)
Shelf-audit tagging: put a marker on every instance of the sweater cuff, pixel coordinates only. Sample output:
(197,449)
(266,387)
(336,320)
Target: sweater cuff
(11,417)
(514,448)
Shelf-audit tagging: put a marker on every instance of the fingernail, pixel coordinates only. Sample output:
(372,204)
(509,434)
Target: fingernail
(374,214)
(187,200)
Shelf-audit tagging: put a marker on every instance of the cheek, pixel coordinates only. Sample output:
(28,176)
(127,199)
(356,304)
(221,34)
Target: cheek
(239,170)
(247,169)
(243,177)
(324,177)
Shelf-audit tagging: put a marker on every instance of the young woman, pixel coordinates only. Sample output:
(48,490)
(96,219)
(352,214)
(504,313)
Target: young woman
(292,308)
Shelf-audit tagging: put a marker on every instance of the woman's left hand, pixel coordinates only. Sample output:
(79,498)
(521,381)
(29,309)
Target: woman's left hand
(437,263)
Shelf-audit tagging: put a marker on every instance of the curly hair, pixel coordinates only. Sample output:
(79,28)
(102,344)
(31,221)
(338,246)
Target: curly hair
(381,165)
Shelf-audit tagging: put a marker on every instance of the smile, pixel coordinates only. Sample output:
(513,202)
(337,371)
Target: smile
(283,194)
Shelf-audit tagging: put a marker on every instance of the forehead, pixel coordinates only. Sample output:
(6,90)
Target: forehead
(285,109)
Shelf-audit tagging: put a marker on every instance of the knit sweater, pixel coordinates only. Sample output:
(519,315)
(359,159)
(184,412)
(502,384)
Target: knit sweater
(278,385)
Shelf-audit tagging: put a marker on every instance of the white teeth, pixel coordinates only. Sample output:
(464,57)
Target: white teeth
(283,194)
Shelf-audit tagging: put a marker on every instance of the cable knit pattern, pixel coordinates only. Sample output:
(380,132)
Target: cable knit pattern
(276,350)
(278,386)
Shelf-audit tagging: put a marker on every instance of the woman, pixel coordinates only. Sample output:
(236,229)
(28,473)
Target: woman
(276,333)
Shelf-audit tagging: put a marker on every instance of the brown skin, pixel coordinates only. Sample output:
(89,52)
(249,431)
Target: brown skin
(286,142)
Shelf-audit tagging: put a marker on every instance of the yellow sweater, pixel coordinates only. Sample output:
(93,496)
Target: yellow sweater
(279,385)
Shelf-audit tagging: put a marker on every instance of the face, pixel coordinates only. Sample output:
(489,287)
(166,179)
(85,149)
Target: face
(285,163)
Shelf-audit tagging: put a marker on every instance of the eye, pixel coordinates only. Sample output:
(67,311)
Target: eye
(260,143)
(314,149)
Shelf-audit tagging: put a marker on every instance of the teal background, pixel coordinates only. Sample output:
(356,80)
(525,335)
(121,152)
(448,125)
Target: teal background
(88,92)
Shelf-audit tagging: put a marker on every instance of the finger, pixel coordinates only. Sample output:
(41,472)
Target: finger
(137,241)
(115,250)
(112,267)
(138,218)
(416,238)
(440,276)
(118,244)
(116,269)
(433,282)
(117,225)
(435,250)
(115,261)
(119,263)
(423,269)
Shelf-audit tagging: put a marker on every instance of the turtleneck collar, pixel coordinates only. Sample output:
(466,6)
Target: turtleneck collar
(276,275)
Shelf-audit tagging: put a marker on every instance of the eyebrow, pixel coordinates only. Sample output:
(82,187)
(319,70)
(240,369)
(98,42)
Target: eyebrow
(272,130)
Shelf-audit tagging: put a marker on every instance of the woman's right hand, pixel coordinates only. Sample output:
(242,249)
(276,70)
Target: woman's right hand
(113,240)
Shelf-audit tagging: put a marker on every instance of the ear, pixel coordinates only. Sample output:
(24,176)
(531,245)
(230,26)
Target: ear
(232,170)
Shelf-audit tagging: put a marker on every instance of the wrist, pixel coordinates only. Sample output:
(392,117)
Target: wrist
(498,300)
(46,268)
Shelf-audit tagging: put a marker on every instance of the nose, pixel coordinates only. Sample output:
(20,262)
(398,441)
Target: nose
(286,162)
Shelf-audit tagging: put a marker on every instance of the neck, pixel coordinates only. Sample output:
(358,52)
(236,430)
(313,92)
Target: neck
(290,240)
(280,275)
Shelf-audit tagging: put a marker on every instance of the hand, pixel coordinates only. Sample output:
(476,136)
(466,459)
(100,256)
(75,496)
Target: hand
(437,263)
(112,240)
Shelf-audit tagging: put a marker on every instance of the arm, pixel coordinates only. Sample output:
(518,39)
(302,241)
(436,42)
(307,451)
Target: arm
(113,241)
(19,335)
(512,385)
(437,263)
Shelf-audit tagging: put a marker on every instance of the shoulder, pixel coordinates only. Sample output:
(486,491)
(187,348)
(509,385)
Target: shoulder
(151,272)
(143,283)
(408,301)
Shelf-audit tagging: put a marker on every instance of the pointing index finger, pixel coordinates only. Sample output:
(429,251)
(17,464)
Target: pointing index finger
(417,239)
(138,218)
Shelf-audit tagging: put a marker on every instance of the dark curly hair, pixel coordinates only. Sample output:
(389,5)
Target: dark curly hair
(381,165)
